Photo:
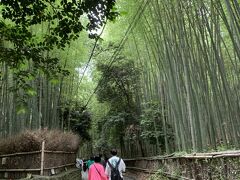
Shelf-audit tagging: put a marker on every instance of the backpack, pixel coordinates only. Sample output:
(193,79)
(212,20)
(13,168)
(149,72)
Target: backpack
(84,166)
(115,174)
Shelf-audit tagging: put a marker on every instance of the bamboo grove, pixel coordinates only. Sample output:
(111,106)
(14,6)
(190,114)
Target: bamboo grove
(41,54)
(188,53)
(43,103)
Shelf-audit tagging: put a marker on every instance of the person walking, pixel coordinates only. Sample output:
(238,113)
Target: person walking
(115,167)
(79,163)
(90,162)
(96,170)
(84,172)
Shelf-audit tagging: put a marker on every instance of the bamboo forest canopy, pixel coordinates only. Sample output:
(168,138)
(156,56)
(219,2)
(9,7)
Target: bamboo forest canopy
(63,23)
(161,76)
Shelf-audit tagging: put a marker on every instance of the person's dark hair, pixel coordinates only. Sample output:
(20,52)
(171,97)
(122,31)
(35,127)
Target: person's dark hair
(114,152)
(92,158)
(97,159)
(105,157)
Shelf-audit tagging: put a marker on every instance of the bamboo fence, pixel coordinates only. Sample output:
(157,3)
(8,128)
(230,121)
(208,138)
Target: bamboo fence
(42,162)
(216,165)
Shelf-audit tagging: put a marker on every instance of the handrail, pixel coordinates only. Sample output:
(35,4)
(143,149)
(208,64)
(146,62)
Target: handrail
(190,156)
(35,152)
(20,153)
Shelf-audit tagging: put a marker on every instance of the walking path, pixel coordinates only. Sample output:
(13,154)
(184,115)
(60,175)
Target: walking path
(128,178)
(85,176)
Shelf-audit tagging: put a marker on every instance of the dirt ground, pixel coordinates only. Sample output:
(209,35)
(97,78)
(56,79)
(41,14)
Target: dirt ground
(137,176)
(126,176)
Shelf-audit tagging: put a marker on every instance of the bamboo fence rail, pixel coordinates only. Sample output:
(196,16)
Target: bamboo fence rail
(7,169)
(214,165)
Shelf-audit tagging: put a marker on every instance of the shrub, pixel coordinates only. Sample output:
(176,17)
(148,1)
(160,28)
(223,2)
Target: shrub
(27,141)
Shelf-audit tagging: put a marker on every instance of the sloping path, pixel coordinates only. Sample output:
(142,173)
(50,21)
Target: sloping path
(85,176)
(128,178)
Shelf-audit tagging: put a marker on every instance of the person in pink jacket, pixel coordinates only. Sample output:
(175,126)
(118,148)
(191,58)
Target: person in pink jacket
(96,171)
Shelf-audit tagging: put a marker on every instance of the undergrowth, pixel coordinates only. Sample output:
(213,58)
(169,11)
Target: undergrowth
(158,175)
(27,141)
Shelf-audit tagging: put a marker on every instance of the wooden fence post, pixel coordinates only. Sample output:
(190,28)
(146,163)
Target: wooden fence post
(42,158)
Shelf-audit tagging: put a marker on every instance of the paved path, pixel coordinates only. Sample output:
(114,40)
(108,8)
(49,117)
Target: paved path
(85,176)
(128,178)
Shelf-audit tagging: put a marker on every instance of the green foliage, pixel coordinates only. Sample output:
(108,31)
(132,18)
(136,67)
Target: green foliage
(28,53)
(54,81)
(111,128)
(116,88)
(102,145)
(188,53)
(117,85)
(64,16)
(77,118)
(81,123)
(31,92)
(21,109)
(151,122)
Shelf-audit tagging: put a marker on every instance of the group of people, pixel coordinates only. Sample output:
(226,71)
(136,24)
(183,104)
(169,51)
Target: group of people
(103,169)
